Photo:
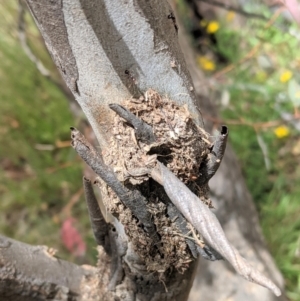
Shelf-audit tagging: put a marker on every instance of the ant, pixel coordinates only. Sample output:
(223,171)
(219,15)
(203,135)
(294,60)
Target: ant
(172,17)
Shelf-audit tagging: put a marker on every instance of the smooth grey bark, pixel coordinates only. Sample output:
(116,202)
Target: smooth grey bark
(93,53)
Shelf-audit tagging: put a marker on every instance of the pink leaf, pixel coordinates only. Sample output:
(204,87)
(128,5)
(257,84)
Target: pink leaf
(293,7)
(71,238)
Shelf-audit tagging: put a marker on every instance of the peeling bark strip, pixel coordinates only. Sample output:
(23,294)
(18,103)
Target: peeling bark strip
(98,223)
(214,159)
(131,199)
(208,225)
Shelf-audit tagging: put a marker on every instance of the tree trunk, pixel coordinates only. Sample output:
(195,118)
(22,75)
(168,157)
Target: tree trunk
(108,53)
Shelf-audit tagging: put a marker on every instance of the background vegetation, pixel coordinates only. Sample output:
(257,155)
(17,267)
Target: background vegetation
(252,64)
(40,174)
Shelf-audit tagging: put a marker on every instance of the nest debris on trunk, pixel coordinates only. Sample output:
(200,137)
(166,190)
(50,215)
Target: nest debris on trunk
(182,146)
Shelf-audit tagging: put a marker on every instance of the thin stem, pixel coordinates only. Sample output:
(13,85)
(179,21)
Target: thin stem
(143,131)
(209,167)
(133,200)
(99,225)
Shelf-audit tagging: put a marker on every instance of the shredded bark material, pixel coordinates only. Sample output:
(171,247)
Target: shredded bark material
(181,146)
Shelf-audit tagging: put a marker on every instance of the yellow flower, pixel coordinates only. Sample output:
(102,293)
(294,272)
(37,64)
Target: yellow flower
(282,131)
(286,76)
(206,63)
(230,16)
(212,27)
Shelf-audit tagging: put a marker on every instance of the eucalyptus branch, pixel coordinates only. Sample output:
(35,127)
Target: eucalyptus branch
(35,273)
(204,221)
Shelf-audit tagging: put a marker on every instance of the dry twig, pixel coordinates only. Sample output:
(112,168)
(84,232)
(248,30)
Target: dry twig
(214,159)
(143,131)
(204,220)
(186,202)
(131,199)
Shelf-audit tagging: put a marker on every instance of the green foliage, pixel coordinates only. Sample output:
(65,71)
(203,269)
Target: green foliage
(280,220)
(262,87)
(226,48)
